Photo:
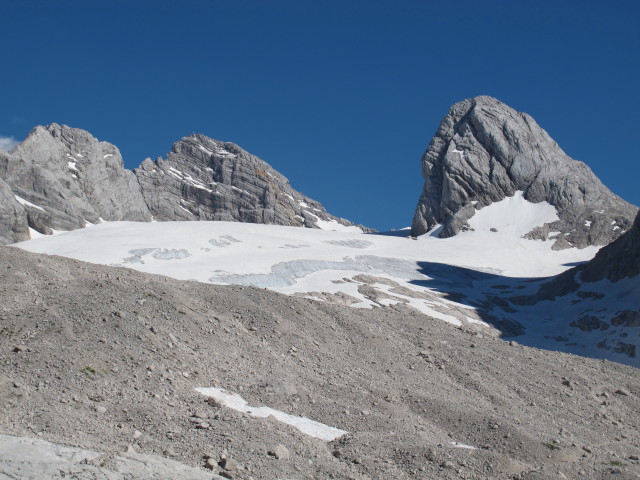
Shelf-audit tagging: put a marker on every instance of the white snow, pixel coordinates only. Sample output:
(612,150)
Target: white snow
(513,215)
(587,223)
(205,149)
(28,203)
(303,424)
(332,224)
(189,179)
(107,155)
(460,152)
(35,234)
(295,260)
(462,445)
(186,210)
(72,166)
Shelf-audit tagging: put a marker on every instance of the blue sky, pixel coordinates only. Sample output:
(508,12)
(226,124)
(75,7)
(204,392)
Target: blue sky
(342,97)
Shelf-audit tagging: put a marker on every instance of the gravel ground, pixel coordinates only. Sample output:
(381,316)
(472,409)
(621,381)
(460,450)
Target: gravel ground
(107,359)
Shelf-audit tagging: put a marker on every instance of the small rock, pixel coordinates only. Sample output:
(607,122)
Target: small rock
(169,452)
(101,409)
(622,391)
(19,348)
(203,425)
(280,452)
(634,457)
(137,434)
(229,464)
(448,465)
(211,463)
(130,449)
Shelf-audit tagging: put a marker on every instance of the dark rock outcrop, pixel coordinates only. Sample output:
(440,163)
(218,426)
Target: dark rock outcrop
(484,151)
(205,179)
(617,260)
(620,259)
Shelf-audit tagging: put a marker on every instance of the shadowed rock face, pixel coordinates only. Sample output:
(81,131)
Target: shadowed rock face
(13,221)
(617,260)
(205,179)
(62,178)
(485,151)
(620,259)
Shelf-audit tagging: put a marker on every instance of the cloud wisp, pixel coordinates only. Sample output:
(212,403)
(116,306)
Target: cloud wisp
(7,143)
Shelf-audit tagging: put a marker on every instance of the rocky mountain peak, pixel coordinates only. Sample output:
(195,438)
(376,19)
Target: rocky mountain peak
(485,151)
(206,179)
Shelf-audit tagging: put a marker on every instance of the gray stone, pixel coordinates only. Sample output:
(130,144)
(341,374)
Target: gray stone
(484,151)
(69,179)
(22,457)
(280,452)
(205,179)
(62,178)
(13,219)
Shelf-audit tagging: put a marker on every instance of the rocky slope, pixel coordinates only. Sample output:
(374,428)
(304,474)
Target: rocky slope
(107,360)
(62,178)
(614,262)
(205,179)
(596,302)
(485,151)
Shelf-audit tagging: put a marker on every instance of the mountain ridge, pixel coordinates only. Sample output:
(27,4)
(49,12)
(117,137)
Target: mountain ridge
(63,178)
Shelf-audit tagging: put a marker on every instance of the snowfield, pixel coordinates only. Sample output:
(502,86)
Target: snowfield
(456,280)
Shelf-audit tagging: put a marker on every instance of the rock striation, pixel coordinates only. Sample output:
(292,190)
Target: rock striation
(485,151)
(205,179)
(62,178)
(13,221)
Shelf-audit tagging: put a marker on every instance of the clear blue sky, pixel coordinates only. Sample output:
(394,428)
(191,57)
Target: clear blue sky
(342,97)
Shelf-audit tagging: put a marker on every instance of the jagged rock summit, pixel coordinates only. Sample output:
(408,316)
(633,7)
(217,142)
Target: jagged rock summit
(485,151)
(205,179)
(62,178)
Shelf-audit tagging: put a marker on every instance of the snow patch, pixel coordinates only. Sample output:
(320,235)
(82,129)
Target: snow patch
(462,445)
(27,203)
(305,425)
(513,215)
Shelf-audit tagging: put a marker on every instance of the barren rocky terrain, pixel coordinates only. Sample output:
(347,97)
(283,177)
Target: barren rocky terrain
(108,360)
